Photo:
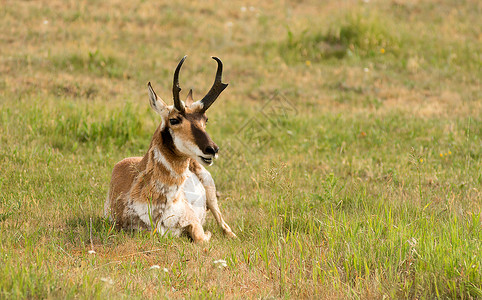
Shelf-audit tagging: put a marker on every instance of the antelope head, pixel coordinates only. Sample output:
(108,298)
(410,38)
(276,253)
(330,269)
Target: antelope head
(183,125)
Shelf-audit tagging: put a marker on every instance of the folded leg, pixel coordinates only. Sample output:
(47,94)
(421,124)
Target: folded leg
(211,198)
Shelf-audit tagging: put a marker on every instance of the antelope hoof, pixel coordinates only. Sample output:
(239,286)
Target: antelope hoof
(207,237)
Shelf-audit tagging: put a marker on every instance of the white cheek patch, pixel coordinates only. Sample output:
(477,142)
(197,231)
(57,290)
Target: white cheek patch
(186,147)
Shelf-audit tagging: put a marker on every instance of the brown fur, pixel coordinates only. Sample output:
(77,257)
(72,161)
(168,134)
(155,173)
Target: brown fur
(123,175)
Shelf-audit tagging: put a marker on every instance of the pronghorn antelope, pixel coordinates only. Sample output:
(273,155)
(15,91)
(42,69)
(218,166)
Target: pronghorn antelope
(169,190)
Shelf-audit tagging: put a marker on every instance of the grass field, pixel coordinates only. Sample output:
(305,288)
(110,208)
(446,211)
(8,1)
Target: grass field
(350,135)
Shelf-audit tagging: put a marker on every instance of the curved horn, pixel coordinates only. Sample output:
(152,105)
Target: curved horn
(216,89)
(176,89)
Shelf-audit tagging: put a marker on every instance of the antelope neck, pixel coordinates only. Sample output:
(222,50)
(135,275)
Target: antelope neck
(165,156)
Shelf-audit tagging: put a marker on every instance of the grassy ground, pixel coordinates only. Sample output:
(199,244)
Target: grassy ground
(350,140)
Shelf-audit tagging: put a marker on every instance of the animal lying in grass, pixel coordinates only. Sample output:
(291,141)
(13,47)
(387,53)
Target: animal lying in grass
(169,190)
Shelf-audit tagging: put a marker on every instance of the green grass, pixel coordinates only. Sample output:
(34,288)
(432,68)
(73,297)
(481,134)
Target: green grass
(357,35)
(346,171)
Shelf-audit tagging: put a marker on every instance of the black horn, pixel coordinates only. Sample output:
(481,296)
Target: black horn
(176,89)
(216,89)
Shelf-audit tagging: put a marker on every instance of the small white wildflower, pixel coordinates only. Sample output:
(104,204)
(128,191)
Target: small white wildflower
(154,267)
(366,70)
(46,22)
(220,263)
(165,270)
(243,8)
(91,252)
(107,280)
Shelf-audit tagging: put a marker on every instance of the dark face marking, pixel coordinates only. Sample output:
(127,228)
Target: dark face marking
(201,138)
(167,141)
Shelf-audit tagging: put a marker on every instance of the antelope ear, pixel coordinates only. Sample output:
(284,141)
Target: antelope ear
(189,99)
(157,103)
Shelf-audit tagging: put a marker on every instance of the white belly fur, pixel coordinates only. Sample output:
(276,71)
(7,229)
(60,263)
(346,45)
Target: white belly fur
(196,198)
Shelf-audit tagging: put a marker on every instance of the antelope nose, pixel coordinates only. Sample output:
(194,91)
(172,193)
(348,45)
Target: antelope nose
(211,150)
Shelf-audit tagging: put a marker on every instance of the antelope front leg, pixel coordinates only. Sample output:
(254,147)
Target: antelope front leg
(211,199)
(197,233)
(212,203)
(193,226)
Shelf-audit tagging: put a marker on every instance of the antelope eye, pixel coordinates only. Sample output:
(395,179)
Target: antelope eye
(174,121)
